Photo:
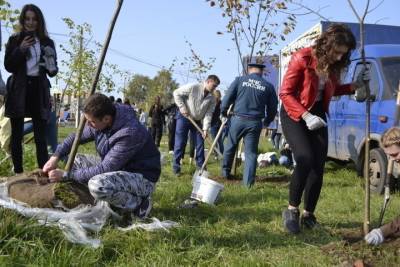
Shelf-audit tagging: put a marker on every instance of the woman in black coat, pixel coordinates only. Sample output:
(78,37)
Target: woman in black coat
(30,56)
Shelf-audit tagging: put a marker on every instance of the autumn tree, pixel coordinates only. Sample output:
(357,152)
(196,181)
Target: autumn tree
(163,85)
(137,89)
(8,15)
(142,89)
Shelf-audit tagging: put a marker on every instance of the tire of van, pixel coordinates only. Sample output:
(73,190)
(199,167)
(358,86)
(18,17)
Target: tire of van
(378,170)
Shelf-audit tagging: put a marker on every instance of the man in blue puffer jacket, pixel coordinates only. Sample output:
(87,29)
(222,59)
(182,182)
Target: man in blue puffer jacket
(129,164)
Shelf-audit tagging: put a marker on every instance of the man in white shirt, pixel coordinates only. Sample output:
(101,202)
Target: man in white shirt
(197,101)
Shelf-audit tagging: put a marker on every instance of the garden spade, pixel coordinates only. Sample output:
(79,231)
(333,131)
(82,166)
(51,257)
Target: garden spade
(201,132)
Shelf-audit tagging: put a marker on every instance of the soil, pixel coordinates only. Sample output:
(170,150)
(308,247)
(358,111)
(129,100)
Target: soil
(352,250)
(34,189)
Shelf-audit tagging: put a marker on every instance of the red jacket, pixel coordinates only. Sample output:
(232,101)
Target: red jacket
(300,85)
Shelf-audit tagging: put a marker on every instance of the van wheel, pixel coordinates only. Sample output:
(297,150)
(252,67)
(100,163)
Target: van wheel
(377,170)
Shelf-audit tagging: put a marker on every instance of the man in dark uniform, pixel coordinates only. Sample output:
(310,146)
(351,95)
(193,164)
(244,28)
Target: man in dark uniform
(255,103)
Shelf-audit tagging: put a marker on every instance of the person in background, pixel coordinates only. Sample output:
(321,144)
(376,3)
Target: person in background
(390,142)
(143,117)
(127,102)
(255,104)
(30,57)
(311,79)
(129,165)
(171,112)
(112,98)
(119,100)
(216,123)
(135,108)
(196,101)
(276,132)
(157,120)
(286,158)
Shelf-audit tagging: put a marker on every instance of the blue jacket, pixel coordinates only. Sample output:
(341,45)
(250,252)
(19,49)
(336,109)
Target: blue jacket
(252,97)
(126,146)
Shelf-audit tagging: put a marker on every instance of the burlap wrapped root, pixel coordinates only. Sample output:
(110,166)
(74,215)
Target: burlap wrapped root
(34,189)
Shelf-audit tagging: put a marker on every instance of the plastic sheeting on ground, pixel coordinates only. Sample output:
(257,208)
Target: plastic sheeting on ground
(76,223)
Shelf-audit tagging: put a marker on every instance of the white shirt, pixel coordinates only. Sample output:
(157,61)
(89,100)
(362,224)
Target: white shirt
(32,64)
(143,118)
(191,98)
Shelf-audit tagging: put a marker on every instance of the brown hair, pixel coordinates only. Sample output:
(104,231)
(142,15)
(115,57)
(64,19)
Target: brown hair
(41,27)
(98,106)
(391,137)
(336,35)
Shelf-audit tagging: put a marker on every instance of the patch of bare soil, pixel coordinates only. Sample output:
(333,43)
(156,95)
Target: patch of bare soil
(34,189)
(353,251)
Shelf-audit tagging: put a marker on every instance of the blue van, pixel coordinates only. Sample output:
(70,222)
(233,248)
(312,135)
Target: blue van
(347,116)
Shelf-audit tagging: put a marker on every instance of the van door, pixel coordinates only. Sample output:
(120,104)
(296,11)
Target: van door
(332,120)
(350,125)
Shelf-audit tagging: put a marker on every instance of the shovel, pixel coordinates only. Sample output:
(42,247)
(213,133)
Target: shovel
(207,139)
(200,172)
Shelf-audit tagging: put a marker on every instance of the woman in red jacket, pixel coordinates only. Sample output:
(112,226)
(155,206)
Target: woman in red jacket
(312,78)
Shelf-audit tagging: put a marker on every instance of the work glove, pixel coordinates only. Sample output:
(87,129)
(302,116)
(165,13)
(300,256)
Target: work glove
(50,59)
(375,237)
(362,79)
(223,118)
(313,122)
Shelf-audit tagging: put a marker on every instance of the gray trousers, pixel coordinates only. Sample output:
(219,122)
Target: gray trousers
(121,189)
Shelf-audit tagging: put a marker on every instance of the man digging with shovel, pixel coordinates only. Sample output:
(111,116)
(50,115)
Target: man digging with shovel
(195,102)
(129,165)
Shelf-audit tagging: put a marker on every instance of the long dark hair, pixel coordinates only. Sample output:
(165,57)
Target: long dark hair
(41,30)
(336,35)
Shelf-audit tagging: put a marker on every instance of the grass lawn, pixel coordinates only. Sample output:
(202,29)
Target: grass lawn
(244,229)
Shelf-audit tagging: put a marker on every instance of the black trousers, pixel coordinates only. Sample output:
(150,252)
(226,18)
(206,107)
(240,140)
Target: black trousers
(310,149)
(39,131)
(156,133)
(32,109)
(171,134)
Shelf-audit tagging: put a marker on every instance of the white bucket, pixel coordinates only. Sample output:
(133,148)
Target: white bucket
(206,190)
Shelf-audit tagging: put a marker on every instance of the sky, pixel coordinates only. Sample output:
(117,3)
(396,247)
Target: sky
(151,34)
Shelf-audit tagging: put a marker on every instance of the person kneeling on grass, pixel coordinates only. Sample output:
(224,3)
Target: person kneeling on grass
(390,143)
(129,165)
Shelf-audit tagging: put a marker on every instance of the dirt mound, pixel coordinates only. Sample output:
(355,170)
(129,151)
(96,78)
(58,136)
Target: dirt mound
(35,190)
(353,251)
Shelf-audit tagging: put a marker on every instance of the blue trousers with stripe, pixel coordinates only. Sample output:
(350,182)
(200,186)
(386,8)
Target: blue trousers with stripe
(250,131)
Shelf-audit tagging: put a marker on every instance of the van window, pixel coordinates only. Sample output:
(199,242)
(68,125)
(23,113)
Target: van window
(373,83)
(391,73)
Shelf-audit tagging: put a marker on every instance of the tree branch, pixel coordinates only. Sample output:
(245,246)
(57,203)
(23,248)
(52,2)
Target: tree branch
(310,10)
